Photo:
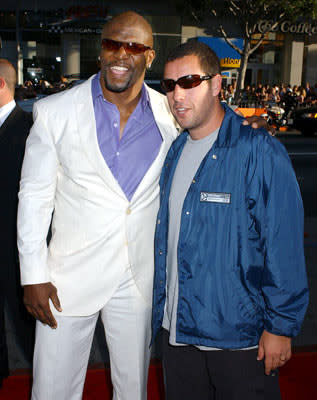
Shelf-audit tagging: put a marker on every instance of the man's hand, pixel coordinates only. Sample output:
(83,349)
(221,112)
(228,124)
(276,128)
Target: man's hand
(259,122)
(36,299)
(275,350)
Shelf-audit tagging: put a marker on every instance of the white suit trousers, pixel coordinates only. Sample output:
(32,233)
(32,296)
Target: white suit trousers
(61,355)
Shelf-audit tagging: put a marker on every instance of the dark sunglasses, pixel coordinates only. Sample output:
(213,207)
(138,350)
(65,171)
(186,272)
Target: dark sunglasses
(185,82)
(129,47)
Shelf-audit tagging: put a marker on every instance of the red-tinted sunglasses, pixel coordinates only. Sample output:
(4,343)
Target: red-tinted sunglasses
(185,82)
(129,47)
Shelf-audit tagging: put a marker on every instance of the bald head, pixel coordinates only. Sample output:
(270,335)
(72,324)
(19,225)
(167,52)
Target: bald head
(7,72)
(126,20)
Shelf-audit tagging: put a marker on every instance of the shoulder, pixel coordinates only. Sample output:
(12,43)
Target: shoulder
(247,137)
(158,100)
(263,142)
(255,147)
(264,158)
(24,115)
(262,150)
(18,124)
(161,110)
(154,94)
(20,118)
(65,98)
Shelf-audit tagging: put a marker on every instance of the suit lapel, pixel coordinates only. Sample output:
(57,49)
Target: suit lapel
(88,135)
(167,127)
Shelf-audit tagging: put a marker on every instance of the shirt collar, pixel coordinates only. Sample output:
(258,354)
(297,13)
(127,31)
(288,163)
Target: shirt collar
(145,98)
(97,92)
(6,110)
(96,87)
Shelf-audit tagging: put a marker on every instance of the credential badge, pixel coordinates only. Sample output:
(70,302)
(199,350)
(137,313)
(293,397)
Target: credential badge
(215,197)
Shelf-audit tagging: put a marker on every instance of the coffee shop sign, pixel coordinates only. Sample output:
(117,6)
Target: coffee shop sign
(287,27)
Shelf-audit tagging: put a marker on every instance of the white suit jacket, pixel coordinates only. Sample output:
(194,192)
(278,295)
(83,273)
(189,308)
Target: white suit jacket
(96,232)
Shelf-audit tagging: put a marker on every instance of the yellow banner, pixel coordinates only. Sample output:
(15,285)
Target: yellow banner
(230,62)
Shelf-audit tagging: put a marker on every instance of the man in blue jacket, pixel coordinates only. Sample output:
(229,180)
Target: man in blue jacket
(230,285)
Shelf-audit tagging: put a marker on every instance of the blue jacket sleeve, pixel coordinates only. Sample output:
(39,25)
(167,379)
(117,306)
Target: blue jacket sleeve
(278,211)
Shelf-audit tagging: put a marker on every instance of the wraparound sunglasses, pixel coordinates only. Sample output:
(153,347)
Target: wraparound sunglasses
(129,47)
(185,82)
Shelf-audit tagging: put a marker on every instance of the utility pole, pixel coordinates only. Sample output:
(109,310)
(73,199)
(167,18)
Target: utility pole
(18,40)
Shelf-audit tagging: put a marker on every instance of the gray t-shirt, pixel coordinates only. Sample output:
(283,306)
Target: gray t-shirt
(192,155)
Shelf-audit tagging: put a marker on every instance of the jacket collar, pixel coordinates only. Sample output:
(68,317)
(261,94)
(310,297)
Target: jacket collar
(228,133)
(230,128)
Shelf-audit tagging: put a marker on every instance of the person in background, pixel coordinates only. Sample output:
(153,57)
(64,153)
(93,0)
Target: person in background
(14,129)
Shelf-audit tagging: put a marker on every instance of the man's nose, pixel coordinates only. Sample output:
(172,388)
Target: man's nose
(121,53)
(178,93)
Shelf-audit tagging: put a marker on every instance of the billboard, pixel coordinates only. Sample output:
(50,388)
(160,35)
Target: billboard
(229,58)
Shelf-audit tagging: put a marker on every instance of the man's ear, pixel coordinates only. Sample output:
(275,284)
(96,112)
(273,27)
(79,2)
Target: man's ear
(216,85)
(149,57)
(2,83)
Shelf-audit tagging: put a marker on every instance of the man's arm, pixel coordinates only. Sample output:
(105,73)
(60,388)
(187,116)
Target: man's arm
(278,215)
(36,203)
(256,122)
(259,122)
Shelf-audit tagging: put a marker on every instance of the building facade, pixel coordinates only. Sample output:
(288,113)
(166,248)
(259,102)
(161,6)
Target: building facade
(50,39)
(53,39)
(287,55)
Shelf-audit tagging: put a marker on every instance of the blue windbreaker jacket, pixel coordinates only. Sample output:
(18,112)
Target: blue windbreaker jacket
(241,261)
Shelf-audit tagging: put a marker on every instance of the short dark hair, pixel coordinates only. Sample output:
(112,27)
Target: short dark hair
(208,59)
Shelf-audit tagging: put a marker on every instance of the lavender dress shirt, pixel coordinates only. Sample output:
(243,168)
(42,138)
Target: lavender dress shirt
(130,157)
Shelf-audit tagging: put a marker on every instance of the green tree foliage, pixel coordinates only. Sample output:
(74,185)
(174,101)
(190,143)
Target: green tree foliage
(247,14)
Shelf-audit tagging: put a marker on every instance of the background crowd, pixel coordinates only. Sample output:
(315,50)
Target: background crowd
(32,89)
(262,95)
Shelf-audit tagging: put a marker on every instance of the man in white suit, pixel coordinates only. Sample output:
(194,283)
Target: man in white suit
(94,157)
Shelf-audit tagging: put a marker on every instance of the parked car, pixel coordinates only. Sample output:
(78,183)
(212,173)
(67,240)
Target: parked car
(304,120)
(303,154)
